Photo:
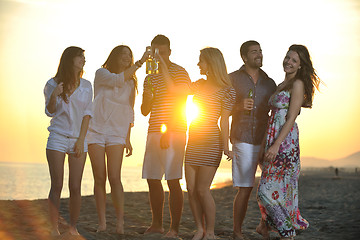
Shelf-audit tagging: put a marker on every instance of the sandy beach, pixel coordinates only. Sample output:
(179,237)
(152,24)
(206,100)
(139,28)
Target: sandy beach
(331,205)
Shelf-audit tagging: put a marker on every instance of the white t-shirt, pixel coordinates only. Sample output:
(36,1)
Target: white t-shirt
(113,111)
(67,118)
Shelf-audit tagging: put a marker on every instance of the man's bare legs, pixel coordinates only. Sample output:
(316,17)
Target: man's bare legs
(240,207)
(156,196)
(176,201)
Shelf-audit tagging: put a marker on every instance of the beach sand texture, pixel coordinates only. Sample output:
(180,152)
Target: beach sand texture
(331,205)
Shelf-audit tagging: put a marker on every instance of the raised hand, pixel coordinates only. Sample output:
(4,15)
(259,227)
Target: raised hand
(58,89)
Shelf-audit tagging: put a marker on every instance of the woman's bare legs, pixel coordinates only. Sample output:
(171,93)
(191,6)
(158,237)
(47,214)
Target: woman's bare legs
(76,169)
(204,179)
(97,158)
(263,229)
(56,168)
(196,209)
(114,156)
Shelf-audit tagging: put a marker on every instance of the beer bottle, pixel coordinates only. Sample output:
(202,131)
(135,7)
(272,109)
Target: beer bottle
(155,62)
(152,63)
(250,95)
(149,62)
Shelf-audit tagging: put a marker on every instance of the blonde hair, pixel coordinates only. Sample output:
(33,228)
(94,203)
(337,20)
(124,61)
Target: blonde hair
(216,66)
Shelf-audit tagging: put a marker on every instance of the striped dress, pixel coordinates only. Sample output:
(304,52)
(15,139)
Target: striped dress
(204,146)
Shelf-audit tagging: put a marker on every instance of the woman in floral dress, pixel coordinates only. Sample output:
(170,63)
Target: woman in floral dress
(280,160)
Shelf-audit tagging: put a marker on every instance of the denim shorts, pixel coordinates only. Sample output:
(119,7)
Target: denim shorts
(62,143)
(103,139)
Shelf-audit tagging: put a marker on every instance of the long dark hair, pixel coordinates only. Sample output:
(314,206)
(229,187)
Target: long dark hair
(306,73)
(65,73)
(112,62)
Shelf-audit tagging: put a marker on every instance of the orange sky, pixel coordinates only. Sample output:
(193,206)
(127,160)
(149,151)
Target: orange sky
(33,34)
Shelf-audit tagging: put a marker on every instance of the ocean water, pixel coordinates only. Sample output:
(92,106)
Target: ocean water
(30,181)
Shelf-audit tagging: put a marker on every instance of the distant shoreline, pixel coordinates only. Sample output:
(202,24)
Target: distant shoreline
(32,180)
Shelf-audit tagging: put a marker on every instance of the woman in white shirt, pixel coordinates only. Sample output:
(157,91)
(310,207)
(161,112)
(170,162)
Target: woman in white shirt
(68,100)
(115,86)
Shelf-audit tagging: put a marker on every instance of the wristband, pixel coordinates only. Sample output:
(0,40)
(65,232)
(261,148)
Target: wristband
(138,64)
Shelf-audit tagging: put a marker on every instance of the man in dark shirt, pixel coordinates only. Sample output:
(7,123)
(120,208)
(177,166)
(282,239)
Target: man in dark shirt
(249,119)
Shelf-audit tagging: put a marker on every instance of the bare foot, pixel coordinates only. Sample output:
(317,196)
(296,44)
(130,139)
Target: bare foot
(263,230)
(73,231)
(238,236)
(120,228)
(55,232)
(171,234)
(209,236)
(199,235)
(101,228)
(152,230)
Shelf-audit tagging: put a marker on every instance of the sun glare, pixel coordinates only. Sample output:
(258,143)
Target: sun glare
(192,110)
(163,128)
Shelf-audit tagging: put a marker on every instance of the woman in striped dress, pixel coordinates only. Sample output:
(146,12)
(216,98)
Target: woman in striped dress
(214,97)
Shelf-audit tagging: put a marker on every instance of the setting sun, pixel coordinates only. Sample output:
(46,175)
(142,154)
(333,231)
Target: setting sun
(192,110)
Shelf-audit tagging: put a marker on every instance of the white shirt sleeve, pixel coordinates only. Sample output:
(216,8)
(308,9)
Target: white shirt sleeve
(132,117)
(105,78)
(88,109)
(49,88)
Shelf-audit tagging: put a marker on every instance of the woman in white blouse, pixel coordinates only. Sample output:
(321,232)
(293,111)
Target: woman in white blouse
(68,100)
(115,86)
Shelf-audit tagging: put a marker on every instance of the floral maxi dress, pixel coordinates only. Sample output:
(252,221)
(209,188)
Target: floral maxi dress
(278,187)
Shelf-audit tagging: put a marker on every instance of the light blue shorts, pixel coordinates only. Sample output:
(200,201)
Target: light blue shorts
(103,139)
(62,143)
(244,164)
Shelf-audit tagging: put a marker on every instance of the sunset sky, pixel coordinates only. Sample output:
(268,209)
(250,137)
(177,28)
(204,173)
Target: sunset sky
(34,33)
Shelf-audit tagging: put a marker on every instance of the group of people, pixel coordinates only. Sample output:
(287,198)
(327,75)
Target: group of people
(102,127)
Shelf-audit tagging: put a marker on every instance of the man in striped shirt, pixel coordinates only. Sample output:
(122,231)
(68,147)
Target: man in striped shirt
(164,97)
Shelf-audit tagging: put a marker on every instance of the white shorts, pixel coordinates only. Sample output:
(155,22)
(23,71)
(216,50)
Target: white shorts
(62,143)
(244,164)
(103,139)
(158,161)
